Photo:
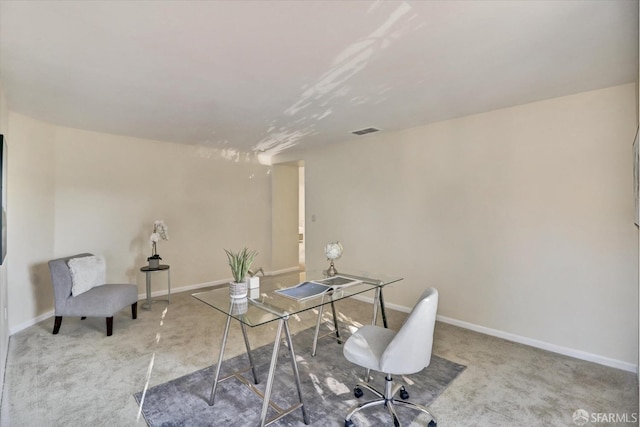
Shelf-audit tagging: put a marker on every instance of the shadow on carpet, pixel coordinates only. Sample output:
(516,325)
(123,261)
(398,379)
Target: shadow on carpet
(327,386)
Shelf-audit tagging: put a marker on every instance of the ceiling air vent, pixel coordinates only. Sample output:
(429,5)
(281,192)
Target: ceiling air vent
(365,131)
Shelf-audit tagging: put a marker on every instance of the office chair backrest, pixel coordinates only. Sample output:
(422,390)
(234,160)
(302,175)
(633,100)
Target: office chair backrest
(410,349)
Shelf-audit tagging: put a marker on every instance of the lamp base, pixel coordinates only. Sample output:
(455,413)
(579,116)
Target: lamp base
(331,271)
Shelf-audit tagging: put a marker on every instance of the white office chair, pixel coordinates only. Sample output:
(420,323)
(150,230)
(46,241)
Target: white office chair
(395,353)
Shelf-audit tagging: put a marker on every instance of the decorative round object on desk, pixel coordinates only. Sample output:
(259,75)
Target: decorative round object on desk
(333,251)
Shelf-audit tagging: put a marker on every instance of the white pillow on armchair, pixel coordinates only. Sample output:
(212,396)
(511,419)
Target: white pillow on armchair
(87,273)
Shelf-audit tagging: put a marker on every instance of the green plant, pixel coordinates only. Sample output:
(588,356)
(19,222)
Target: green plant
(240,262)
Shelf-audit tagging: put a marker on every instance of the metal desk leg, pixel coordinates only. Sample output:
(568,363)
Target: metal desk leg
(169,284)
(294,365)
(282,323)
(318,321)
(272,371)
(335,320)
(222,346)
(148,290)
(246,344)
(315,336)
(384,314)
(378,300)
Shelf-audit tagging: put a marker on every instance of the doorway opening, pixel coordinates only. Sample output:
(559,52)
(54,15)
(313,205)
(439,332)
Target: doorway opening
(301,214)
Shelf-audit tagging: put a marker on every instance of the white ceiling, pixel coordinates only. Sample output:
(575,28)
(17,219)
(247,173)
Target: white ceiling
(267,75)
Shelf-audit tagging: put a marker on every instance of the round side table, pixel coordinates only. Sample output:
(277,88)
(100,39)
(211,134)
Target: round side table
(147,271)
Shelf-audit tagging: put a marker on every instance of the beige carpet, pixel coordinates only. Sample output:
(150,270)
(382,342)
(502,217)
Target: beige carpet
(83,378)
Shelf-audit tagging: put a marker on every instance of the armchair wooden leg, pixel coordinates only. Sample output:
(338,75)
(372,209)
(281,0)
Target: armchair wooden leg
(134,310)
(109,326)
(56,324)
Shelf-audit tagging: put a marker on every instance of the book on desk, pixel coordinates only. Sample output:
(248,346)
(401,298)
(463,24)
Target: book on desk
(315,288)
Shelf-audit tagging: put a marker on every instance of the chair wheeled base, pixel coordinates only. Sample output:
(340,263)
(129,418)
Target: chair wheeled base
(387,400)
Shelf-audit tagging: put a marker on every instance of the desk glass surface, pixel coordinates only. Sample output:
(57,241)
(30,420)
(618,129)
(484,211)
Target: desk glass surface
(268,305)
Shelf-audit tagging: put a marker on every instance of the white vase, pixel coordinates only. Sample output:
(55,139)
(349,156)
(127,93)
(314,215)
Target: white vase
(254,282)
(238,290)
(239,306)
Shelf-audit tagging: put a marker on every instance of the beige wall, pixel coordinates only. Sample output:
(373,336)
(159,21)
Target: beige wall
(30,214)
(4,322)
(74,191)
(522,218)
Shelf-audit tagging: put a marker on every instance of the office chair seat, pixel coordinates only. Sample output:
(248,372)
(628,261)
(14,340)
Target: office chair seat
(404,352)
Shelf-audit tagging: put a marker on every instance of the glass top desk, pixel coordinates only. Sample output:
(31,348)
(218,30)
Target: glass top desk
(268,306)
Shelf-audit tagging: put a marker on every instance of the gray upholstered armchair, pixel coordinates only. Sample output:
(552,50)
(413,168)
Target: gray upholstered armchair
(103,300)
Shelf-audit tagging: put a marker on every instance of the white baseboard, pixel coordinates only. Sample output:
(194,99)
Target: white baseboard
(396,307)
(186,288)
(210,284)
(282,271)
(578,354)
(143,296)
(31,322)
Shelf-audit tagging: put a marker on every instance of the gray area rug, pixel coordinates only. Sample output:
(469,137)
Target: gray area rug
(327,386)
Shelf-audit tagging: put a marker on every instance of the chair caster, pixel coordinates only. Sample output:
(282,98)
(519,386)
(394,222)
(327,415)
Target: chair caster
(432,423)
(357,392)
(404,394)
(348,423)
